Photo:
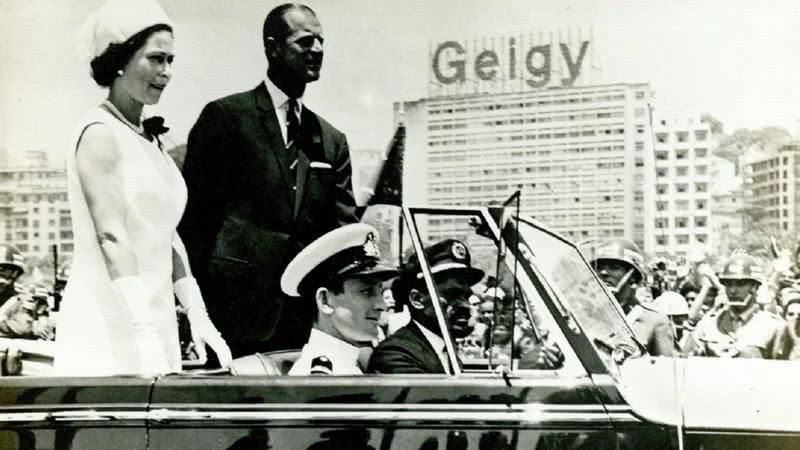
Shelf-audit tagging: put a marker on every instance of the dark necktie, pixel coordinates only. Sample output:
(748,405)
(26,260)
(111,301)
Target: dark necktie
(292,132)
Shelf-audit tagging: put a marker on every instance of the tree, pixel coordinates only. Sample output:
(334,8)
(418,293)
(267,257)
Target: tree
(766,139)
(716,125)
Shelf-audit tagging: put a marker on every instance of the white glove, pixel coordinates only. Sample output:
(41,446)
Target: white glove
(203,331)
(152,355)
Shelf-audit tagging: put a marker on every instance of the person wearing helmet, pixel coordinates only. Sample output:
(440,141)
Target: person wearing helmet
(12,265)
(740,328)
(26,315)
(675,306)
(619,264)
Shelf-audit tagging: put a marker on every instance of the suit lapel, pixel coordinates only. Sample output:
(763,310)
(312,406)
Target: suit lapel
(303,166)
(275,145)
(431,358)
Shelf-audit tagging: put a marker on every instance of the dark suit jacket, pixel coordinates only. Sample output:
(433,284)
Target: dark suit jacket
(248,214)
(406,351)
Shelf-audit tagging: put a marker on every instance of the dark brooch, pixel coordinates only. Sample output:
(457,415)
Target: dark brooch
(154,126)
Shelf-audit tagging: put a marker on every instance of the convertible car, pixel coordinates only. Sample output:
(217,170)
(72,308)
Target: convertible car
(607,394)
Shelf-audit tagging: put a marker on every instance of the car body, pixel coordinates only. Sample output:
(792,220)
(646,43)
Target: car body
(608,394)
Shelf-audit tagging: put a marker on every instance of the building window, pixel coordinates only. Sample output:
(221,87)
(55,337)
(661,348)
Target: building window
(661,137)
(700,187)
(699,221)
(681,154)
(682,239)
(662,240)
(661,189)
(700,152)
(662,155)
(681,188)
(681,222)
(661,172)
(701,170)
(662,223)
(700,204)
(682,171)
(700,135)
(682,136)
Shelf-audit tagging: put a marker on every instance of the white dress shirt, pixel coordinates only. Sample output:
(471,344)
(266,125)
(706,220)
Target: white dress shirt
(343,356)
(280,101)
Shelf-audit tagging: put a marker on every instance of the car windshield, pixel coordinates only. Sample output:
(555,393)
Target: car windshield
(579,291)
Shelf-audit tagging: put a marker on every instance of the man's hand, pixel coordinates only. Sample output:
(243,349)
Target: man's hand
(546,356)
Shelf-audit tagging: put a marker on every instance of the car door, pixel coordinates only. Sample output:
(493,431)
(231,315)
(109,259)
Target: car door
(638,392)
(486,403)
(73,413)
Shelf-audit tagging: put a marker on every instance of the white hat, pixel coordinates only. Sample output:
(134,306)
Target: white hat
(116,22)
(348,251)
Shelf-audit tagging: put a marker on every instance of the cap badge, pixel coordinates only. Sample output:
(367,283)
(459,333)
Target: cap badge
(371,247)
(459,251)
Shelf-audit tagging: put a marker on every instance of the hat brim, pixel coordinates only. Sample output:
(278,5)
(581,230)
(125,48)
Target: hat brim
(472,275)
(380,271)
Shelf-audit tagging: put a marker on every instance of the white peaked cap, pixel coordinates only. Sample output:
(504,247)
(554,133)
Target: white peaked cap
(115,23)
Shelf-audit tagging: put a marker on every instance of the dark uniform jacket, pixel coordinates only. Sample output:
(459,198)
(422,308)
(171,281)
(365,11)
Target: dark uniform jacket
(250,212)
(405,351)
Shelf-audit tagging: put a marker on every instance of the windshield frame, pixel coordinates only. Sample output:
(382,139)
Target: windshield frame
(573,326)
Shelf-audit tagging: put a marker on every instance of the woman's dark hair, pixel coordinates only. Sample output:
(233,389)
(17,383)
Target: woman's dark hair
(116,56)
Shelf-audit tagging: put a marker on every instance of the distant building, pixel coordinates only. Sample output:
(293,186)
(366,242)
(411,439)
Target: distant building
(684,174)
(775,190)
(579,155)
(34,214)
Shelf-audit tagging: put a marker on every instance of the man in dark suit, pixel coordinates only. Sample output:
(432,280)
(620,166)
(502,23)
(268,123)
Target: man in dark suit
(620,265)
(266,176)
(419,346)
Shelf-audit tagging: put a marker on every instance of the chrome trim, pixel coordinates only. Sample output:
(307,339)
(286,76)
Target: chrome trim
(525,414)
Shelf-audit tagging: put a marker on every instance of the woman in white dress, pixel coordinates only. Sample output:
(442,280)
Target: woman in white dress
(127,196)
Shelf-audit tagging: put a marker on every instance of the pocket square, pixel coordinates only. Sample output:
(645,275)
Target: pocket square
(320,165)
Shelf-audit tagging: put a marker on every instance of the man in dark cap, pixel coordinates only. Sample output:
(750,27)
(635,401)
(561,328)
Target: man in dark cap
(341,274)
(419,346)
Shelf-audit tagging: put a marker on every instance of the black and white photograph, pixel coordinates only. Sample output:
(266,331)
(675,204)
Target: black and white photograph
(417,225)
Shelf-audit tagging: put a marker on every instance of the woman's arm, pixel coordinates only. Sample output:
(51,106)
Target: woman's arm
(99,164)
(99,169)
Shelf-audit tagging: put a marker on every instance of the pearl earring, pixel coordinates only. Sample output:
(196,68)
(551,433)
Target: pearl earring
(120,72)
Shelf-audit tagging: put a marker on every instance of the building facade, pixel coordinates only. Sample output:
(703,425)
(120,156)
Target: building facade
(775,190)
(34,214)
(684,171)
(581,156)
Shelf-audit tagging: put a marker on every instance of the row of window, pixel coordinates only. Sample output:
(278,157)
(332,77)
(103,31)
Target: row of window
(683,153)
(681,188)
(680,239)
(64,247)
(764,177)
(682,171)
(480,123)
(681,136)
(433,142)
(23,235)
(681,222)
(449,109)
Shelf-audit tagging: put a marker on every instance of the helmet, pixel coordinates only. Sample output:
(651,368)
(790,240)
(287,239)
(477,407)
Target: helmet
(671,304)
(620,250)
(742,267)
(10,255)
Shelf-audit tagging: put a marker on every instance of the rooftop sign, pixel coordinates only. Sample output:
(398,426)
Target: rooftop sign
(509,64)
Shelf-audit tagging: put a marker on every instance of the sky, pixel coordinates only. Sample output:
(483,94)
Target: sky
(734,59)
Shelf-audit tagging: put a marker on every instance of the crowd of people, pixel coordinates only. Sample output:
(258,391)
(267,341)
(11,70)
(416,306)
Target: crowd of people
(258,240)
(747,307)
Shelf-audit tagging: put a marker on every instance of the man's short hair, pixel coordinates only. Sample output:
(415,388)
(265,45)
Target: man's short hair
(275,25)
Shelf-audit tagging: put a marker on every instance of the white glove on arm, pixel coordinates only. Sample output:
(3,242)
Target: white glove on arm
(203,331)
(152,355)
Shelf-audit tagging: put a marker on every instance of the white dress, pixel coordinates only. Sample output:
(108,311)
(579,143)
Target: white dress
(95,333)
